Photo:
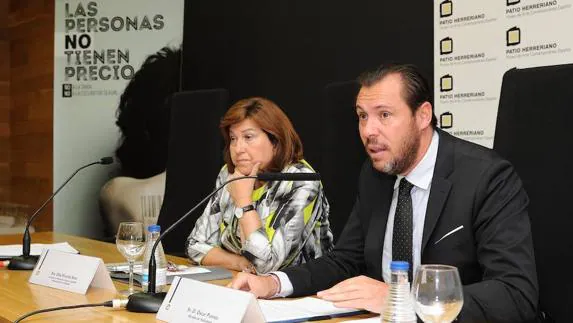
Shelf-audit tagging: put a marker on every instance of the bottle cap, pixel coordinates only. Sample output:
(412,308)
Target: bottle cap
(399,265)
(154,228)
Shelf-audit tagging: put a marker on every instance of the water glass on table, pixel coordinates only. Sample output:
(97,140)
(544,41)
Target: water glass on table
(130,242)
(437,293)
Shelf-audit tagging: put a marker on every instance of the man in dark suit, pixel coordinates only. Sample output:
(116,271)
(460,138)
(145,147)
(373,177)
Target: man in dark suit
(425,197)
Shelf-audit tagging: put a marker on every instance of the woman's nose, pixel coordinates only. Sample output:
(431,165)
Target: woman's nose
(239,145)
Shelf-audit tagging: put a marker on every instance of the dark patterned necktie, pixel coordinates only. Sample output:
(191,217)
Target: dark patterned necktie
(402,232)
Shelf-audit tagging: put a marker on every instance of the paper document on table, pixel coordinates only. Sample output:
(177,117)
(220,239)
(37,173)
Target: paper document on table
(14,250)
(301,309)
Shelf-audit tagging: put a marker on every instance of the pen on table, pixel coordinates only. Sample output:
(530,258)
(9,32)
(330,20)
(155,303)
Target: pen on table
(328,317)
(121,267)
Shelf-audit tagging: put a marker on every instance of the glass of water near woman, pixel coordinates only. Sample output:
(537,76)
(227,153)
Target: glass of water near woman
(437,293)
(130,241)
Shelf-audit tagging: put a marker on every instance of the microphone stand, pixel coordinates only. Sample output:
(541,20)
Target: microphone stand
(150,301)
(27,261)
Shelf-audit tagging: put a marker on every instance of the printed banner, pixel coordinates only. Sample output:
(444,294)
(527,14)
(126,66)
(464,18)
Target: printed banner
(476,42)
(99,47)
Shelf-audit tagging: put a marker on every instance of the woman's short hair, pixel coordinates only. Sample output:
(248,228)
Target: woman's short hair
(273,121)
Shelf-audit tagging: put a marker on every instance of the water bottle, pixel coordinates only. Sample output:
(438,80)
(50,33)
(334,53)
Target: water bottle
(160,260)
(399,307)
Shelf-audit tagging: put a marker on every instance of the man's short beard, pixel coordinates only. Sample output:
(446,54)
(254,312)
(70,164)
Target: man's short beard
(409,152)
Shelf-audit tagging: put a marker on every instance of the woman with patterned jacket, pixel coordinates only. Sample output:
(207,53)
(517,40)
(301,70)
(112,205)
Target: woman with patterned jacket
(261,226)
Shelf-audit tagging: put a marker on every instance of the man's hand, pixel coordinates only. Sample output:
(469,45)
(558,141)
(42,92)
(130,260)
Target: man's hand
(242,190)
(260,286)
(357,292)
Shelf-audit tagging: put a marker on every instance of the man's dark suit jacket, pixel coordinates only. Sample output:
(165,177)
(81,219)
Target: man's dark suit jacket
(472,186)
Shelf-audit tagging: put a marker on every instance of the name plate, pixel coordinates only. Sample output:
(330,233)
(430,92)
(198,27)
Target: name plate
(191,300)
(70,272)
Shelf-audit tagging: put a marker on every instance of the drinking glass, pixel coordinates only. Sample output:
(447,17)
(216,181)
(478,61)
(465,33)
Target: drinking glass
(437,293)
(130,242)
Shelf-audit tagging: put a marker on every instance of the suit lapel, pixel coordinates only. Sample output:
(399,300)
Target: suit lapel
(441,186)
(438,196)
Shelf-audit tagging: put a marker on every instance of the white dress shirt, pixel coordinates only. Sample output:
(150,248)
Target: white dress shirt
(421,178)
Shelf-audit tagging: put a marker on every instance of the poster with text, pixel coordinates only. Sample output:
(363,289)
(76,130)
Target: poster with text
(99,46)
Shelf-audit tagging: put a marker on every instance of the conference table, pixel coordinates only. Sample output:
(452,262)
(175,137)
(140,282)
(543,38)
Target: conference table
(18,296)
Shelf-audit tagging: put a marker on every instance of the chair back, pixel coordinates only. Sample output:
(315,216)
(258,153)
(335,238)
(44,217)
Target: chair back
(193,161)
(532,132)
(342,152)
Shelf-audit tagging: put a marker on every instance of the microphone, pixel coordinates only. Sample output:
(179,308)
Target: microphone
(150,301)
(26,261)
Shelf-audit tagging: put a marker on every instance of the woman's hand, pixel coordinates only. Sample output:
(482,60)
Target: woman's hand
(241,191)
(246,266)
(219,257)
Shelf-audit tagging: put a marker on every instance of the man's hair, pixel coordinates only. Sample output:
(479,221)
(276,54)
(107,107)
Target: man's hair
(143,114)
(273,121)
(415,88)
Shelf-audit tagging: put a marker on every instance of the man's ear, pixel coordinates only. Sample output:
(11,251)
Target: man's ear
(424,115)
